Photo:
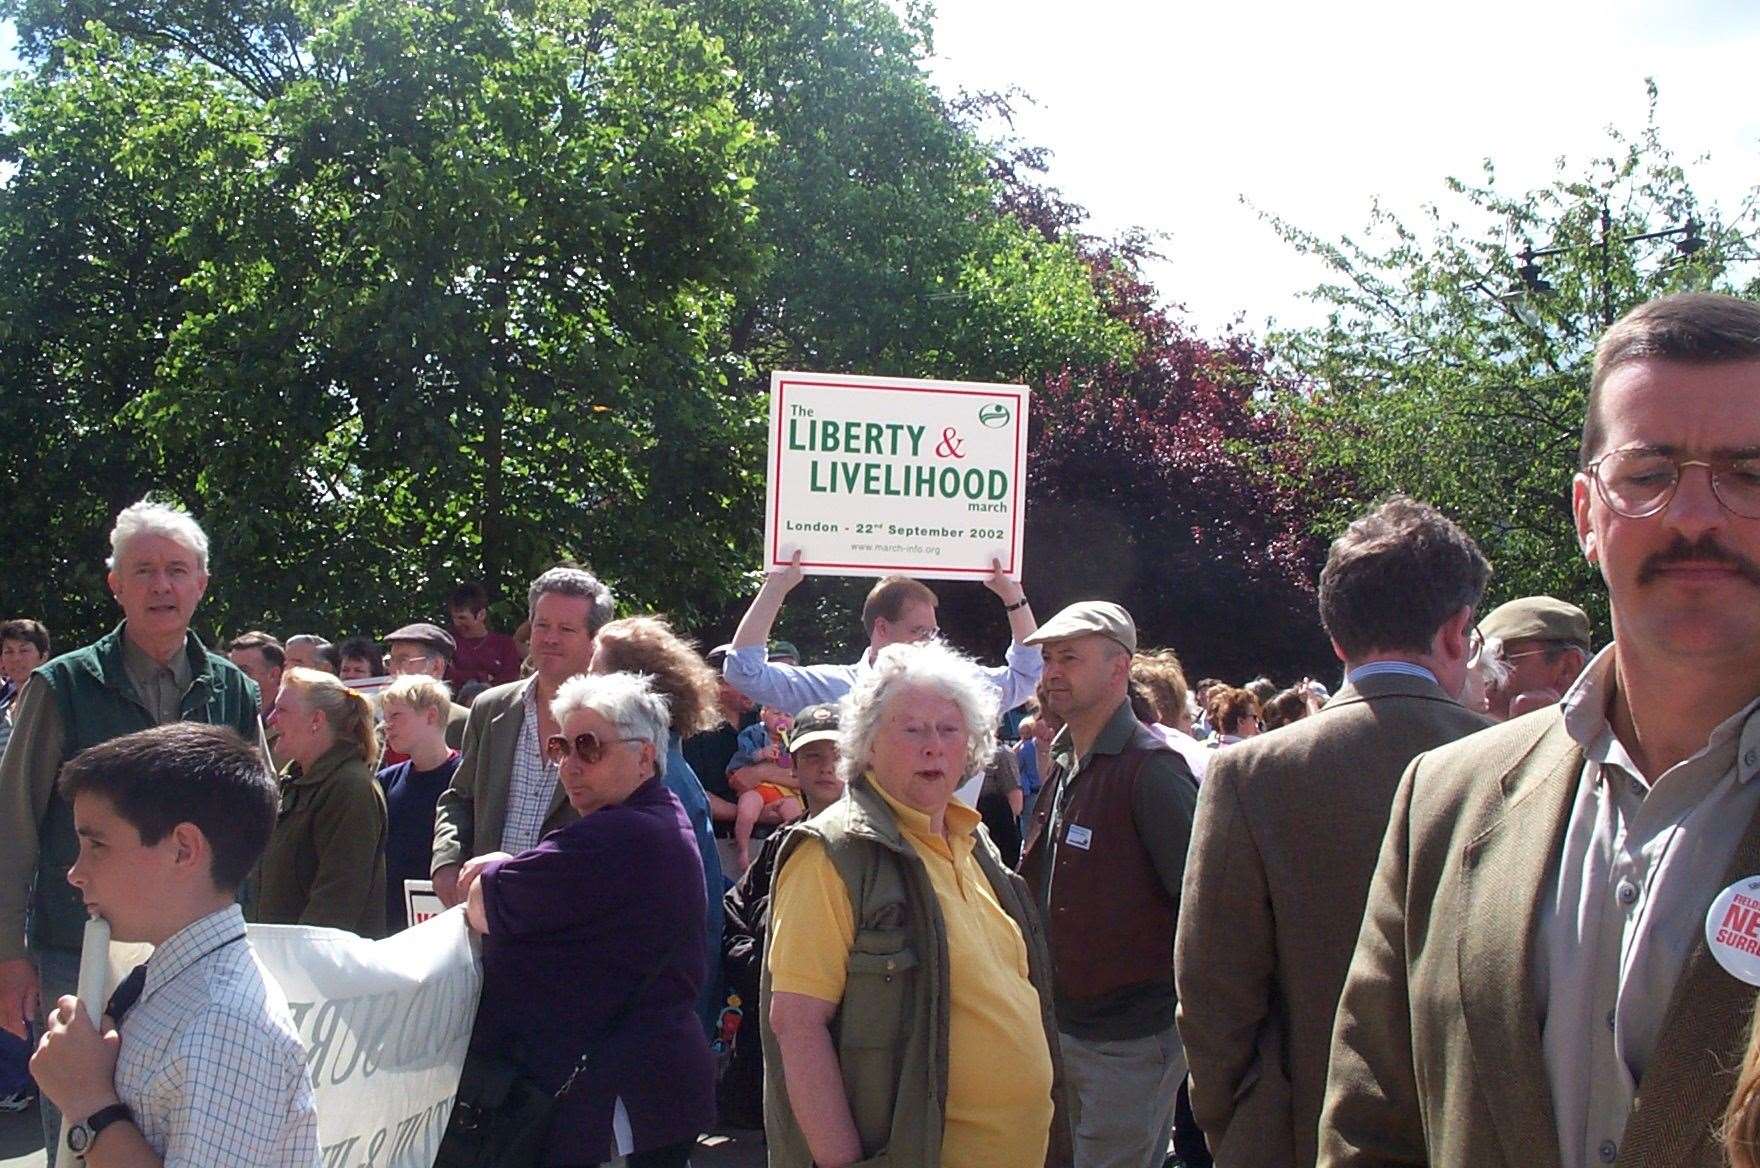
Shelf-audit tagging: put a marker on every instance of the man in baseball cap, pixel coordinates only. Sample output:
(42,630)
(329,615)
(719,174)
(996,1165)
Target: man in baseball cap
(1105,856)
(1545,643)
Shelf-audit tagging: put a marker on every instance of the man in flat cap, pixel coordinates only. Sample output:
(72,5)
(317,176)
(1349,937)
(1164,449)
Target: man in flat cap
(1545,643)
(1105,855)
(428,650)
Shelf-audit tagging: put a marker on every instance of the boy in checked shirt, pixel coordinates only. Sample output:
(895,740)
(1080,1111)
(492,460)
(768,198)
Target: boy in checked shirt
(196,1061)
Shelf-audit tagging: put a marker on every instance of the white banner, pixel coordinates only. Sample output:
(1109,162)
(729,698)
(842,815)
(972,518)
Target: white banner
(385,1026)
(870,476)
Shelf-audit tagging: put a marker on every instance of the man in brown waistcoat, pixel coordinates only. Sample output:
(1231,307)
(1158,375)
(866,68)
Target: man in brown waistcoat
(1105,855)
(1289,825)
(1533,986)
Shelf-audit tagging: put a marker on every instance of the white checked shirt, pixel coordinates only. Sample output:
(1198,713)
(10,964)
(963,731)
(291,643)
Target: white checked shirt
(211,1065)
(532,786)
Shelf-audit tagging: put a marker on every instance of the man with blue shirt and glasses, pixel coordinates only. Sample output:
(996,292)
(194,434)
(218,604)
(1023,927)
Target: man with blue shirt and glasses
(897,610)
(1289,825)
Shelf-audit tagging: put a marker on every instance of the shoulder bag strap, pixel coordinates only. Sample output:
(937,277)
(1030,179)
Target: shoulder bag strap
(623,1011)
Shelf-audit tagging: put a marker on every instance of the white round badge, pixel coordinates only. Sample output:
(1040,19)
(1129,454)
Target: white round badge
(1732,930)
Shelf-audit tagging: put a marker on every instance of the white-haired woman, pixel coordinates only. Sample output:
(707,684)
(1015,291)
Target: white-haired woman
(906,965)
(592,940)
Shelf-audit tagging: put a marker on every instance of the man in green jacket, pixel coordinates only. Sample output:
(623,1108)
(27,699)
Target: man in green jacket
(148,671)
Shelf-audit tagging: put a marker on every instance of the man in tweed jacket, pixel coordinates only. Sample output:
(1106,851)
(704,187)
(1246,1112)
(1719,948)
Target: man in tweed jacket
(1532,987)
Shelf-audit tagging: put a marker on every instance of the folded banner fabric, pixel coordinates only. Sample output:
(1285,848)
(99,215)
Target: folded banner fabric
(385,1026)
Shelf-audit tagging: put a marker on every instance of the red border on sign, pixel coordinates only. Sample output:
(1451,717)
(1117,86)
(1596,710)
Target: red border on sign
(776,505)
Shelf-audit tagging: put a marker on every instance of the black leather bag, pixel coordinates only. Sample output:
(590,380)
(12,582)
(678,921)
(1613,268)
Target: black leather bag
(500,1118)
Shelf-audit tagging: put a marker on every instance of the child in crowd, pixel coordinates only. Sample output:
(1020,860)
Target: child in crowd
(762,772)
(208,1068)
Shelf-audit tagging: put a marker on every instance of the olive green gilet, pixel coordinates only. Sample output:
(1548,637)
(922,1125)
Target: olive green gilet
(891,1028)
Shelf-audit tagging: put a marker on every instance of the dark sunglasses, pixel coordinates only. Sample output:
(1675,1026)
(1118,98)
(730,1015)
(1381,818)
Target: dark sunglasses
(588,747)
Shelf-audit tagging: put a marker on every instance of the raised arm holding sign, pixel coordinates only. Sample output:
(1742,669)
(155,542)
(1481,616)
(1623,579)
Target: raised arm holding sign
(877,476)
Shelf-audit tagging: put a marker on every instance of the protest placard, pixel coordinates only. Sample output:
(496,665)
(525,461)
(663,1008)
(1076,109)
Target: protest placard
(870,476)
(420,901)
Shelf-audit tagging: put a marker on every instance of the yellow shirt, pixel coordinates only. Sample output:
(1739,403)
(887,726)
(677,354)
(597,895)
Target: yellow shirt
(998,1064)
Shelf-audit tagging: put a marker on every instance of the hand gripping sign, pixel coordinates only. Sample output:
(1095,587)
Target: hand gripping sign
(870,476)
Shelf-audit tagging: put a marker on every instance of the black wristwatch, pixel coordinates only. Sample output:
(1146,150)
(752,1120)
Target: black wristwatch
(1019,604)
(81,1136)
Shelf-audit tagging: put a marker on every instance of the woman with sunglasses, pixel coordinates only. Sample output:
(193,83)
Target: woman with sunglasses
(582,956)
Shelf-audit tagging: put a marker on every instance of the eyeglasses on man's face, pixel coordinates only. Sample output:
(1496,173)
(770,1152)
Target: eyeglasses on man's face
(1640,482)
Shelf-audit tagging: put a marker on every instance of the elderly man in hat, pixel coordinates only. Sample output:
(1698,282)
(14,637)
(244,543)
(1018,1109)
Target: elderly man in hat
(425,650)
(1545,643)
(1105,856)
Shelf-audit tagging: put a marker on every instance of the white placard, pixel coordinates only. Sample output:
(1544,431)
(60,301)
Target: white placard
(870,476)
(420,902)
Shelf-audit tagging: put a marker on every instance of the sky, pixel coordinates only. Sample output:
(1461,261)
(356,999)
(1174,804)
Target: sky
(1164,116)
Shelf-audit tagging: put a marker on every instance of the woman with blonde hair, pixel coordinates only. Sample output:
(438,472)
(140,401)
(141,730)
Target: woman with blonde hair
(325,864)
(646,645)
(1741,1123)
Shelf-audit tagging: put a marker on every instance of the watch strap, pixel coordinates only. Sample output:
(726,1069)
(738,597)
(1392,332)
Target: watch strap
(102,1118)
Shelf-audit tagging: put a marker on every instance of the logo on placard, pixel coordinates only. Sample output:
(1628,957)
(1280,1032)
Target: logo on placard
(995,415)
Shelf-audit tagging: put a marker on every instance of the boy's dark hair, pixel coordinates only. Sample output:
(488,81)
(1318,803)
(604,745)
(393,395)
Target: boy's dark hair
(25,629)
(470,596)
(332,656)
(184,772)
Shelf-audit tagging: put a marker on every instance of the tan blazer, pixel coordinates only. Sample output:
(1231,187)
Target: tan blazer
(1289,825)
(470,814)
(1436,1054)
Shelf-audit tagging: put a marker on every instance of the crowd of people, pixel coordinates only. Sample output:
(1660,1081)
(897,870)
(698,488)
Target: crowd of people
(1449,908)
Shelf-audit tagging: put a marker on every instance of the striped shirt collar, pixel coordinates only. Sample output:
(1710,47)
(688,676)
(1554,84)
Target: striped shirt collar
(1385,668)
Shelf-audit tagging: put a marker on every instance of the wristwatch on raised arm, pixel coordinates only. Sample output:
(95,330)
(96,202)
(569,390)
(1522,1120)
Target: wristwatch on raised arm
(81,1136)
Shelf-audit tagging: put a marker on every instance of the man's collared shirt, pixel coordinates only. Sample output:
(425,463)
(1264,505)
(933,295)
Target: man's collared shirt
(1387,668)
(160,688)
(792,688)
(1641,864)
(532,785)
(211,1066)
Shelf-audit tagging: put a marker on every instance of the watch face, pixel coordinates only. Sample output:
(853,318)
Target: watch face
(78,1136)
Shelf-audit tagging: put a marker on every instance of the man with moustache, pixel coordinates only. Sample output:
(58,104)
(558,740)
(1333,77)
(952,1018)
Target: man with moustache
(1532,985)
(504,796)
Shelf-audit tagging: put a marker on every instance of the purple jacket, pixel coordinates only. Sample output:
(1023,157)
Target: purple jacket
(575,925)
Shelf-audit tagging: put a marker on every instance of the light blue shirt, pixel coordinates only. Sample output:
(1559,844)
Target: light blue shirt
(1381,668)
(795,687)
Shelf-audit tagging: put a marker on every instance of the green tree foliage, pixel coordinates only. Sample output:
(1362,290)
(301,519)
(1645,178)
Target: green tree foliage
(1443,373)
(447,299)
(393,293)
